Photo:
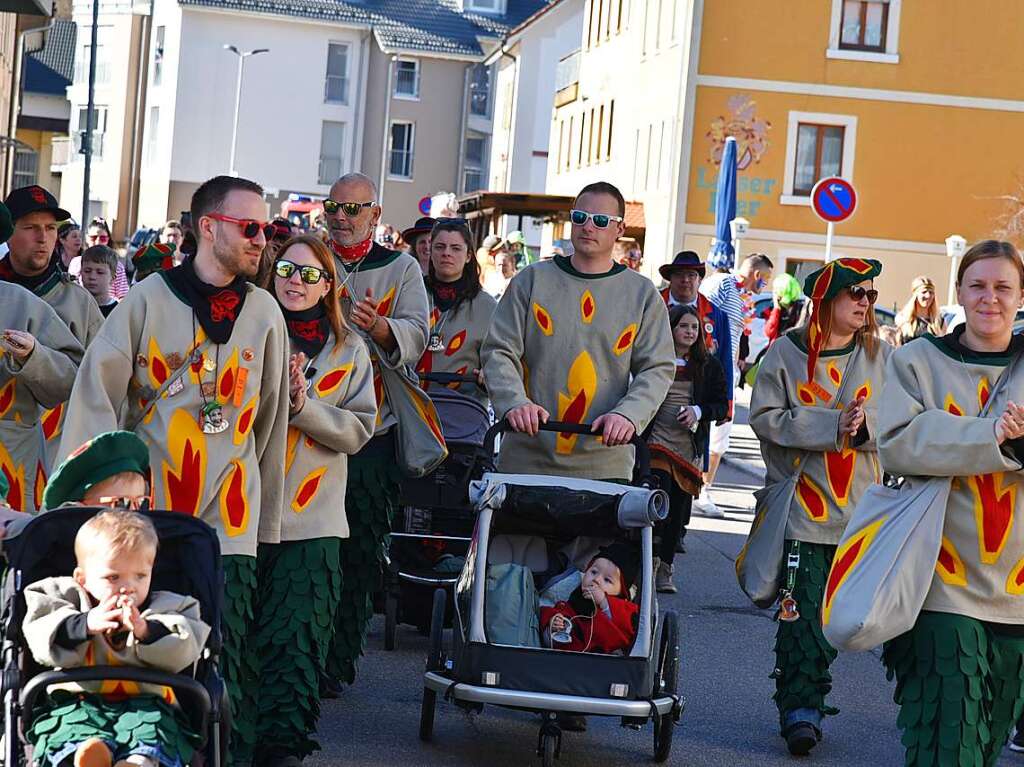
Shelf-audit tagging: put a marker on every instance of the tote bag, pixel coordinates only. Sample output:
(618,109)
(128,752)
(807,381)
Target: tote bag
(420,445)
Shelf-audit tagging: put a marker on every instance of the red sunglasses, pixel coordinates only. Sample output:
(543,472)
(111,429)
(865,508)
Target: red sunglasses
(251,228)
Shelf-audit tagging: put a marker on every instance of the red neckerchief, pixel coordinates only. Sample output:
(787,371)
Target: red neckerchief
(224,306)
(352,252)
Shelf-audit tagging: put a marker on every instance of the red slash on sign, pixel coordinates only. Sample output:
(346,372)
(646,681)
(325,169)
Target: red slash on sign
(833,199)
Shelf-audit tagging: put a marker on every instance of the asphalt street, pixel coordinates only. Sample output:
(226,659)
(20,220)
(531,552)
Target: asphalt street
(726,659)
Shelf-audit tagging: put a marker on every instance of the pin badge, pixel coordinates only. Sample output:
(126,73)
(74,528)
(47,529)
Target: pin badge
(176,387)
(209,365)
(248,355)
(175,360)
(141,361)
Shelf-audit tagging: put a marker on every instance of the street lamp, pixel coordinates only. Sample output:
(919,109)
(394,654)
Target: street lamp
(242,56)
(955,247)
(738,227)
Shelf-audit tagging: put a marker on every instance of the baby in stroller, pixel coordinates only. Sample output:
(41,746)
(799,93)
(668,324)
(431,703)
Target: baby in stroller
(598,616)
(104,614)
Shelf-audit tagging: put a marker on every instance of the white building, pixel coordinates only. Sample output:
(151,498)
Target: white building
(526,82)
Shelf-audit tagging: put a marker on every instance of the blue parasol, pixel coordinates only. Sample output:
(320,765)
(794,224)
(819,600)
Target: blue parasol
(722,255)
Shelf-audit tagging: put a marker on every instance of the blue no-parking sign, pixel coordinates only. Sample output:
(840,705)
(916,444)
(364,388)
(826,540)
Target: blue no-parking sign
(833,199)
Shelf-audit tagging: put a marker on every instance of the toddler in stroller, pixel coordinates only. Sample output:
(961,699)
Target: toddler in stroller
(105,614)
(599,615)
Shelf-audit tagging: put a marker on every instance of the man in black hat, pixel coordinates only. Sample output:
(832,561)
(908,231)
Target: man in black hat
(418,239)
(31,263)
(684,276)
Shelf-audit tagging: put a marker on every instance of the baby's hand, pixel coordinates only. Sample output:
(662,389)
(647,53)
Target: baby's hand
(558,623)
(136,623)
(599,597)
(106,616)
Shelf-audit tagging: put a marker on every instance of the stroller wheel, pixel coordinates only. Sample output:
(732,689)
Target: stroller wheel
(666,682)
(435,662)
(549,749)
(390,621)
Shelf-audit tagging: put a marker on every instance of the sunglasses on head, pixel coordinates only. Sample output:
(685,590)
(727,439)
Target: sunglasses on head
(858,294)
(251,228)
(601,220)
(310,275)
(350,209)
(460,221)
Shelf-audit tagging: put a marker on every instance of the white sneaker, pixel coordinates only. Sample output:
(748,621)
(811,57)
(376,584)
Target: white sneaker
(704,506)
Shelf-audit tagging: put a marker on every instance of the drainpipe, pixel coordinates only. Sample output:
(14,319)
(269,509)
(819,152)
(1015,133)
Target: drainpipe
(386,134)
(464,121)
(19,71)
(511,130)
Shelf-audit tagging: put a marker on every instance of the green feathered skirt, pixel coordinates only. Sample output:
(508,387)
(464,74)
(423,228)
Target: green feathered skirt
(299,589)
(142,724)
(802,654)
(374,483)
(239,662)
(960,688)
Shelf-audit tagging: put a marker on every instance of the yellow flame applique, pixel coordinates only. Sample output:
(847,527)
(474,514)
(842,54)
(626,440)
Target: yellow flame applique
(573,407)
(184,480)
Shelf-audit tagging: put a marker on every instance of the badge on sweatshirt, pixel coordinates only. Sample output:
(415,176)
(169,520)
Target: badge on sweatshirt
(709,328)
(248,355)
(176,386)
(175,361)
(141,361)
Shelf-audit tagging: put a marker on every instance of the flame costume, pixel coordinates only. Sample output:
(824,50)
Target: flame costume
(300,578)
(29,388)
(580,346)
(793,412)
(460,330)
(960,670)
(231,479)
(126,715)
(396,285)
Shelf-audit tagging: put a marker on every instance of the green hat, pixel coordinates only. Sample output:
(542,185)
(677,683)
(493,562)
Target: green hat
(153,258)
(6,223)
(824,285)
(98,459)
(5,488)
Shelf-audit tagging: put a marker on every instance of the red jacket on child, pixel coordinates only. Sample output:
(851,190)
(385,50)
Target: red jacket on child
(597,633)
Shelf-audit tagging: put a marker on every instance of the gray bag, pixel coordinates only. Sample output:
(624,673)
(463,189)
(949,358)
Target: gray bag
(511,610)
(885,561)
(419,442)
(759,565)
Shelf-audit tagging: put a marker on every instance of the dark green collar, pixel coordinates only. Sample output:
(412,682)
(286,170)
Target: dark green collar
(377,258)
(951,346)
(49,283)
(797,337)
(565,264)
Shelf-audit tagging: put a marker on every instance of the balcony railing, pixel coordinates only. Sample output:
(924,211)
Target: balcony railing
(567,79)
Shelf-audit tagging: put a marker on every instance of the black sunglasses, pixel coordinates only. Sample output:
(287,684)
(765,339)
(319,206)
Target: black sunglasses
(350,209)
(858,293)
(310,275)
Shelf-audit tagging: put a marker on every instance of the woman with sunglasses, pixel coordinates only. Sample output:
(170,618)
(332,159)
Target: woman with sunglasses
(98,233)
(814,407)
(333,409)
(460,311)
(969,638)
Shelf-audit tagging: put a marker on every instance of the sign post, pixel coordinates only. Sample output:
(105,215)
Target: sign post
(833,199)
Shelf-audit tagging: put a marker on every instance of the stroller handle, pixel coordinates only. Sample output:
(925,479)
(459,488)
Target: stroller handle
(642,469)
(447,378)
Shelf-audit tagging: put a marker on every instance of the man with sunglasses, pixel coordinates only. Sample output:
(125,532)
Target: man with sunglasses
(31,263)
(579,339)
(383,296)
(194,361)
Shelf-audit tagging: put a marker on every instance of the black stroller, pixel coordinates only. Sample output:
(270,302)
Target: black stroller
(188,563)
(530,522)
(434,524)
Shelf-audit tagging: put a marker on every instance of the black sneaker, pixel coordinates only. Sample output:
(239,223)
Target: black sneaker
(801,737)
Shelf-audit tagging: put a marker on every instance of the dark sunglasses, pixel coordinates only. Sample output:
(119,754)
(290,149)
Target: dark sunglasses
(101,238)
(858,294)
(310,275)
(601,220)
(126,502)
(350,209)
(251,228)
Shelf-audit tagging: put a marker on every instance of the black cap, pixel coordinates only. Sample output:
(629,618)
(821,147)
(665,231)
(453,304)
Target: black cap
(424,225)
(687,259)
(32,199)
(625,557)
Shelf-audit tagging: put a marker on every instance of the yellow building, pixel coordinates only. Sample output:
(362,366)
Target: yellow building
(920,105)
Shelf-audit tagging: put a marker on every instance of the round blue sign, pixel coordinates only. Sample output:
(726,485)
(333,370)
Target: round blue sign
(834,199)
(425,206)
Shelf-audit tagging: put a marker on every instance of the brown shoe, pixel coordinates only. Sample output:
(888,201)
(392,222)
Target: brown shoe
(663,579)
(92,753)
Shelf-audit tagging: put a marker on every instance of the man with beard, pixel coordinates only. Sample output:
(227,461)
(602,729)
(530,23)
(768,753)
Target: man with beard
(383,296)
(194,361)
(31,263)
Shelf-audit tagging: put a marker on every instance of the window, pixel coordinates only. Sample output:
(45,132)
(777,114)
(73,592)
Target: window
(336,82)
(480,91)
(863,27)
(473,169)
(26,167)
(158,55)
(401,151)
(818,145)
(102,65)
(485,6)
(332,151)
(407,78)
(152,134)
(865,31)
(819,153)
